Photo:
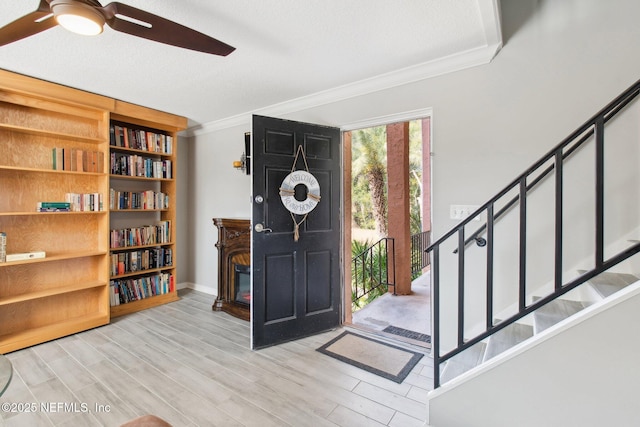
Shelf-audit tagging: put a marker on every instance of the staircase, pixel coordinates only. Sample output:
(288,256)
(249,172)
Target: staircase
(604,286)
(481,309)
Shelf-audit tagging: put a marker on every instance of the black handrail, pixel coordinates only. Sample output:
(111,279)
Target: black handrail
(419,257)
(370,268)
(592,127)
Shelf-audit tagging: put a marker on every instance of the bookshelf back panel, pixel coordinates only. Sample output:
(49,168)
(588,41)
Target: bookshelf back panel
(33,151)
(25,279)
(50,121)
(41,312)
(26,189)
(56,234)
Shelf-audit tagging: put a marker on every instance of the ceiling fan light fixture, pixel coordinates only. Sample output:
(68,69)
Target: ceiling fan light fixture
(78,17)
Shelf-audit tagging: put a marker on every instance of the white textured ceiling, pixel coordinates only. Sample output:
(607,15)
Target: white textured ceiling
(285,50)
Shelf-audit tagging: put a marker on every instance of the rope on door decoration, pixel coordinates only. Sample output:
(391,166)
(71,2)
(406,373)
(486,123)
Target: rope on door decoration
(287,193)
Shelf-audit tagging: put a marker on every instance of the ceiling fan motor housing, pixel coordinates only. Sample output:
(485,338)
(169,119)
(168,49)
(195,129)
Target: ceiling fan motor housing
(78,16)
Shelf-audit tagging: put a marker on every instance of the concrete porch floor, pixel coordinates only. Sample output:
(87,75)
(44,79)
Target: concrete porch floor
(411,312)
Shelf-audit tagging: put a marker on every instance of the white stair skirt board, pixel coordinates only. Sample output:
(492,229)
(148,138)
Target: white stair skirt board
(551,314)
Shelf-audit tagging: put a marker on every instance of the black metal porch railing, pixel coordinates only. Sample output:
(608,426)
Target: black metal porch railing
(370,273)
(419,257)
(591,131)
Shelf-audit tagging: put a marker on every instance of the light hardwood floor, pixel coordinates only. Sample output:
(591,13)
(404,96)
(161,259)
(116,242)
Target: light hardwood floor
(193,367)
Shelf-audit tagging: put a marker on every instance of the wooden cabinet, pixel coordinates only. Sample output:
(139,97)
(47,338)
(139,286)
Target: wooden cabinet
(67,291)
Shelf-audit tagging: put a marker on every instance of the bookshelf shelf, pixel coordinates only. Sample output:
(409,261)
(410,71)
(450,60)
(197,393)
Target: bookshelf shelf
(129,248)
(47,171)
(35,335)
(139,152)
(50,134)
(42,125)
(147,272)
(140,178)
(138,210)
(31,213)
(50,292)
(132,307)
(54,257)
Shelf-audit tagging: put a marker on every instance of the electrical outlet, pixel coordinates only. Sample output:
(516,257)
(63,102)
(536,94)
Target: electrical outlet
(463,211)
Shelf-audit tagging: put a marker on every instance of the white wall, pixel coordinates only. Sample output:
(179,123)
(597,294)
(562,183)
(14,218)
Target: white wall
(216,190)
(562,61)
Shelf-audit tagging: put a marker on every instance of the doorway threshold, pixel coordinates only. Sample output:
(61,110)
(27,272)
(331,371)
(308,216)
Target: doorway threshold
(401,318)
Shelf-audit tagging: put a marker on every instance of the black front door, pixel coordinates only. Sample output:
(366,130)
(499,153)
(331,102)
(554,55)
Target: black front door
(296,288)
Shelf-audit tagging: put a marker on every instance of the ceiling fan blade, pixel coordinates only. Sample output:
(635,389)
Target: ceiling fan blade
(130,20)
(28,25)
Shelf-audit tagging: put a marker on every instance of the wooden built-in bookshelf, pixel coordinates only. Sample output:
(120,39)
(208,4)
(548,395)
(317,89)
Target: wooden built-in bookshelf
(152,140)
(67,291)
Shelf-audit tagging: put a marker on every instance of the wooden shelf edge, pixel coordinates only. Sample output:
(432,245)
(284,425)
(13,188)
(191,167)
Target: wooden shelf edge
(29,337)
(51,292)
(134,306)
(147,272)
(130,248)
(137,210)
(140,178)
(50,258)
(28,213)
(55,171)
(53,134)
(138,151)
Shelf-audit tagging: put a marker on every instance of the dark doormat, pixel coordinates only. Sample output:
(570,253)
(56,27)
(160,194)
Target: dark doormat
(380,358)
(408,334)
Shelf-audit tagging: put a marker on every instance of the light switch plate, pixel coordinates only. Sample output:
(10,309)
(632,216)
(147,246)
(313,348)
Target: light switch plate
(463,211)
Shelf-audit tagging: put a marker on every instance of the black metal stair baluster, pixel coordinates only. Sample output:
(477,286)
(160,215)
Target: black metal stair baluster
(599,191)
(393,255)
(489,255)
(435,294)
(558,220)
(523,244)
(460,286)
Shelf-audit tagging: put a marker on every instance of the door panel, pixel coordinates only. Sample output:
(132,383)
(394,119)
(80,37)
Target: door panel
(296,289)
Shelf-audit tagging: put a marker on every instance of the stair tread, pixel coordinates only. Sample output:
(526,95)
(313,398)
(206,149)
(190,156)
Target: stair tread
(607,283)
(461,363)
(506,338)
(554,312)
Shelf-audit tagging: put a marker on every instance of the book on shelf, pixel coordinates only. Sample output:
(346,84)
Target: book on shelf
(140,166)
(85,202)
(53,207)
(74,202)
(140,260)
(159,233)
(76,160)
(25,256)
(139,139)
(123,291)
(137,200)
(3,246)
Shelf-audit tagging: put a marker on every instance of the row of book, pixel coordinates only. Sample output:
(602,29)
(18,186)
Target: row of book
(134,165)
(73,159)
(138,139)
(138,200)
(122,291)
(140,236)
(133,261)
(74,202)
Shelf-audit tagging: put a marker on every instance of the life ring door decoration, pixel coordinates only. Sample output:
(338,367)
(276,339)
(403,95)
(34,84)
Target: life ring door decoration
(287,193)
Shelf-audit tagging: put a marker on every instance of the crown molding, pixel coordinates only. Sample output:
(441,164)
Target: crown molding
(471,58)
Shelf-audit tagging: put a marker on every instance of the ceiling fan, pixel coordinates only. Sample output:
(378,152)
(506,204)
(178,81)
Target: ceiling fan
(88,17)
